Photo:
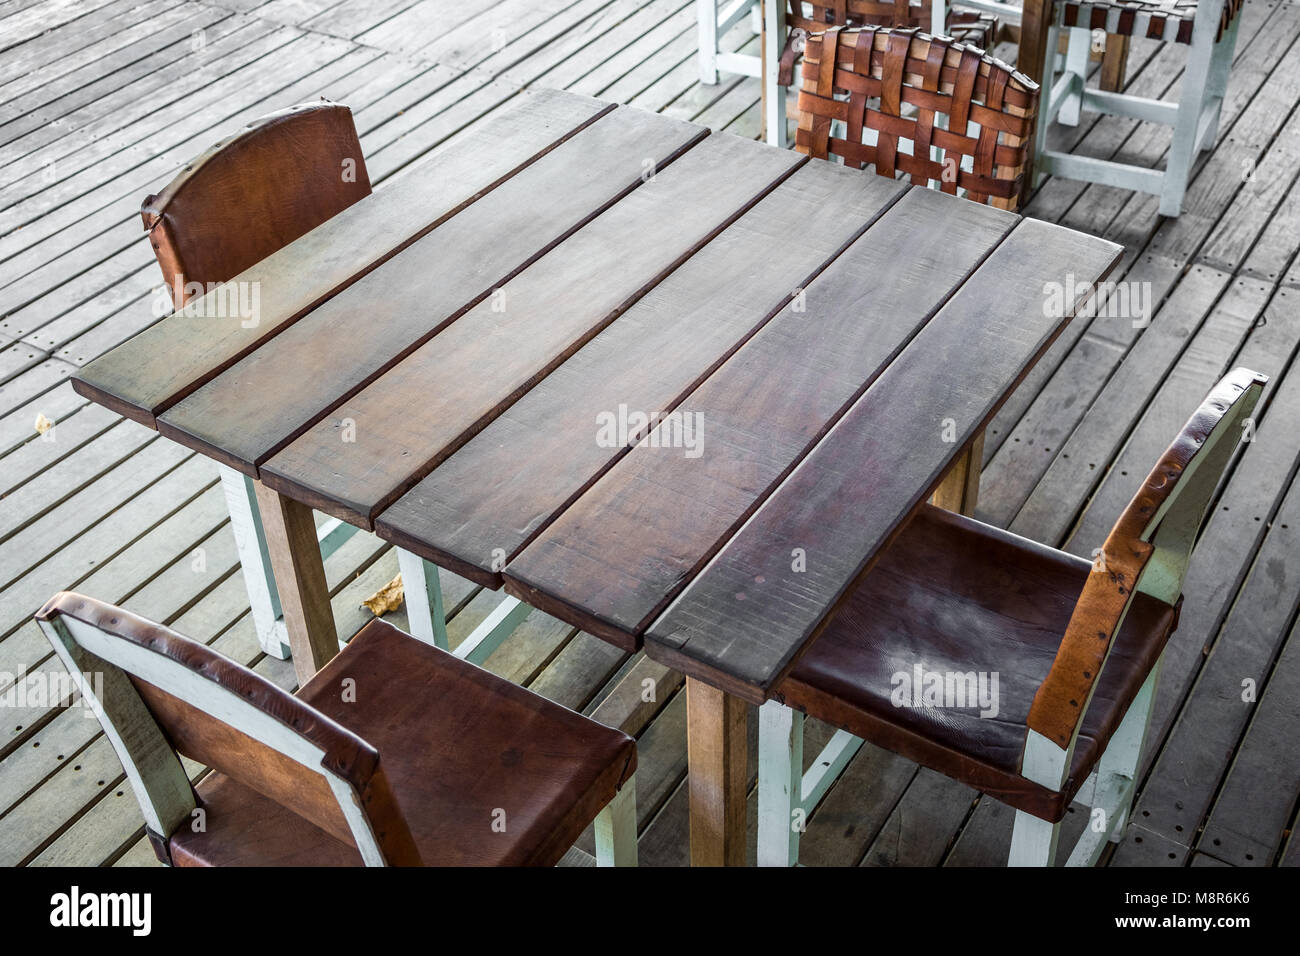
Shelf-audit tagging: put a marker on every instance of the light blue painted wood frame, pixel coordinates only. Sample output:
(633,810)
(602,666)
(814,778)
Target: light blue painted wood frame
(1194,117)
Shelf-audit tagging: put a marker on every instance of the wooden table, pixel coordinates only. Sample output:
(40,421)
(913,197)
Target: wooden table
(450,360)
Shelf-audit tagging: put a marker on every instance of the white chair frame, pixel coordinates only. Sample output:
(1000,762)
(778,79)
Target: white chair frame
(155,772)
(1194,117)
(1110,787)
(426,618)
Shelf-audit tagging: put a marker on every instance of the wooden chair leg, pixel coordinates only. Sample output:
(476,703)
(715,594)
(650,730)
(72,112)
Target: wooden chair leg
(424,610)
(294,554)
(780,784)
(616,828)
(1032,60)
(1114,63)
(717,775)
(1033,841)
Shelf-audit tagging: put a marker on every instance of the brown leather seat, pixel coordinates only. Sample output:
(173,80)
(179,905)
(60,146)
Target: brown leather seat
(1154,19)
(960,596)
(462,749)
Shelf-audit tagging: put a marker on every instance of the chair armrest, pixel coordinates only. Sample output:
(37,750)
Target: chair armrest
(1146,551)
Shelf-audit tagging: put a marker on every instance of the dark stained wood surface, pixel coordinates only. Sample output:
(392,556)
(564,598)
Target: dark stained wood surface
(261,403)
(167,361)
(616,557)
(495,493)
(745,618)
(629,269)
(486,359)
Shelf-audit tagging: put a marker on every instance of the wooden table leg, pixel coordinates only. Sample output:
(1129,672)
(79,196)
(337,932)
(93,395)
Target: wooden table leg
(1030,61)
(1114,63)
(300,578)
(960,489)
(717,755)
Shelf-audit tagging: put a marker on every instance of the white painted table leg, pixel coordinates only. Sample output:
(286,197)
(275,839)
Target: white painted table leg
(616,828)
(250,543)
(423,590)
(780,784)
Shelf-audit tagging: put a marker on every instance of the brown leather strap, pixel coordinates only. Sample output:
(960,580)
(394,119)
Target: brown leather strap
(894,82)
(793,47)
(986,150)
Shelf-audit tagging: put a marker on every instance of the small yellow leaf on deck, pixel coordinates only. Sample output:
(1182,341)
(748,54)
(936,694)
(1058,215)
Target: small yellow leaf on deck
(388,598)
(43,424)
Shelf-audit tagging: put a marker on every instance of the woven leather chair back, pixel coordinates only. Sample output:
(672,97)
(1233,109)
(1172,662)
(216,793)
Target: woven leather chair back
(804,17)
(896,82)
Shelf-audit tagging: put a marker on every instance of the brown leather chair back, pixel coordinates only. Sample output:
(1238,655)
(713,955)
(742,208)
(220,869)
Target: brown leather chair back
(212,710)
(277,179)
(1147,550)
(881,71)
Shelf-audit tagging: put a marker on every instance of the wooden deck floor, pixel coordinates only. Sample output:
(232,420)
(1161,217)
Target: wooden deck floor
(102,100)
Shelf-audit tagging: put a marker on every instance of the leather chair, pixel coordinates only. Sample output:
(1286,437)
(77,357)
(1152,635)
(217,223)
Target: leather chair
(474,770)
(254,193)
(1075,647)
(859,83)
(244,198)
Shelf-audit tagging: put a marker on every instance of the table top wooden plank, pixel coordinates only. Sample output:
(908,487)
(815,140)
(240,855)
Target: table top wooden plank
(743,620)
(167,361)
(617,556)
(485,502)
(430,403)
(271,396)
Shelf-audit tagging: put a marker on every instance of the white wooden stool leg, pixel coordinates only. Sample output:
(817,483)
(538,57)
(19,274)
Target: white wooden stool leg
(773,92)
(423,591)
(1217,85)
(616,828)
(1191,103)
(1033,841)
(706,12)
(780,784)
(1076,64)
(1045,115)
(250,543)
